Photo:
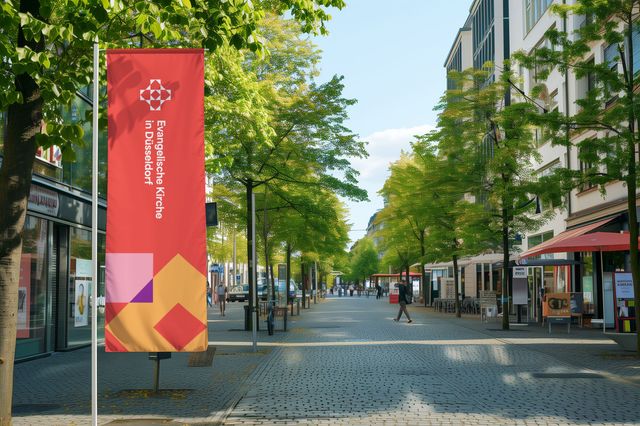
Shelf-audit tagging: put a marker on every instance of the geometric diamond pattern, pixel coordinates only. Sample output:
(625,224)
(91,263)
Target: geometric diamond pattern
(179,327)
(155,94)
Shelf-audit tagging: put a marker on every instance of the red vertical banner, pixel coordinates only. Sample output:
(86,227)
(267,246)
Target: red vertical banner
(156,251)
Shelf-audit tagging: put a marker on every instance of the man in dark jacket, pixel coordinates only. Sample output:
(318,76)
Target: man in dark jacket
(403,295)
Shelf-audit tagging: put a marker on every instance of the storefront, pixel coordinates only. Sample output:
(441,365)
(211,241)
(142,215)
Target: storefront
(54,312)
(599,250)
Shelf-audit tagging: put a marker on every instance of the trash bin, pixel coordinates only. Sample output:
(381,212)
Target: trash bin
(247,318)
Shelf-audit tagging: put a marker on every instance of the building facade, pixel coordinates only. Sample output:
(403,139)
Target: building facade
(493,31)
(54,309)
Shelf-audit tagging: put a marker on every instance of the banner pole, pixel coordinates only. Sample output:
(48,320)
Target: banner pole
(254,319)
(94,242)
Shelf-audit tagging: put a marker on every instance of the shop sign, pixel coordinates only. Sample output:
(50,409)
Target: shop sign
(624,286)
(519,272)
(43,200)
(557,305)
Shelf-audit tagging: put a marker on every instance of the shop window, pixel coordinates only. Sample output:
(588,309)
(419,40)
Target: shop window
(79,289)
(588,288)
(32,315)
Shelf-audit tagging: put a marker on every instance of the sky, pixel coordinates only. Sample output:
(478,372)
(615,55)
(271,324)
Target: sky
(391,54)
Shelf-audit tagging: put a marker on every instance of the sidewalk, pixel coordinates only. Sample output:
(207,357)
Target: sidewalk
(588,348)
(56,390)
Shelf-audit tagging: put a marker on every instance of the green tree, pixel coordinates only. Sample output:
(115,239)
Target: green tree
(364,260)
(408,199)
(284,129)
(46,49)
(499,132)
(609,111)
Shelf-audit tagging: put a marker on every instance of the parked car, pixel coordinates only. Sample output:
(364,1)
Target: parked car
(295,290)
(239,293)
(263,291)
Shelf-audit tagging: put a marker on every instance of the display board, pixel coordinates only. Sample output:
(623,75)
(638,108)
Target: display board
(625,309)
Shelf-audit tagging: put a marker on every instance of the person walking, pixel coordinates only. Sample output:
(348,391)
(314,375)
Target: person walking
(404,298)
(378,291)
(209,295)
(221,298)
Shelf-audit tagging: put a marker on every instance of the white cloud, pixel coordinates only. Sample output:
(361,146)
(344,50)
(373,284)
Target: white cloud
(384,147)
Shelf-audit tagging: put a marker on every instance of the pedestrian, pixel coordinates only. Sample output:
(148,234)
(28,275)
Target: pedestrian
(378,291)
(404,298)
(221,298)
(209,295)
(351,288)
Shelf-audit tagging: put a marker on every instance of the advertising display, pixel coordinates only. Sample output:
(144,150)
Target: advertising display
(520,286)
(557,305)
(24,302)
(81,305)
(156,259)
(625,309)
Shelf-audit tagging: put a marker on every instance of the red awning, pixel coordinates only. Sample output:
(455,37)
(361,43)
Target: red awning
(597,241)
(552,245)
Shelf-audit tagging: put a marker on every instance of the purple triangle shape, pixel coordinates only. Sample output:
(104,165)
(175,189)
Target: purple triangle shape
(145,295)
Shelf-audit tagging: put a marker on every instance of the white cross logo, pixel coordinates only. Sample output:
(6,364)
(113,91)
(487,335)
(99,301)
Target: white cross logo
(155,94)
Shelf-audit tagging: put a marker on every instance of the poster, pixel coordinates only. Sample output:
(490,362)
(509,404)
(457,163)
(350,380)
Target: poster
(81,304)
(449,289)
(24,296)
(557,305)
(84,268)
(156,258)
(624,285)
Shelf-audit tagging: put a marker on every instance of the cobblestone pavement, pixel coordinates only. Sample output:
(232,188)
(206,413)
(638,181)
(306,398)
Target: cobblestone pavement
(344,361)
(349,363)
(56,390)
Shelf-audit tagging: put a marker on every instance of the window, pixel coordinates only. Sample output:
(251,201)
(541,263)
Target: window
(587,83)
(534,240)
(635,40)
(533,11)
(611,58)
(33,302)
(483,35)
(541,204)
(586,168)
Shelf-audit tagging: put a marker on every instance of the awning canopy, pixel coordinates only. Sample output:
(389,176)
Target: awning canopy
(553,245)
(597,241)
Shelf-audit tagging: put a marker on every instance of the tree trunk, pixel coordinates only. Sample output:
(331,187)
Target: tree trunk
(455,283)
(632,185)
(505,268)
(250,242)
(409,283)
(24,122)
(423,284)
(273,283)
(304,283)
(288,274)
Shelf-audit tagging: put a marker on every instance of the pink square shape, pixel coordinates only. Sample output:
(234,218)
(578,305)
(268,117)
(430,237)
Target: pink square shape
(126,275)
